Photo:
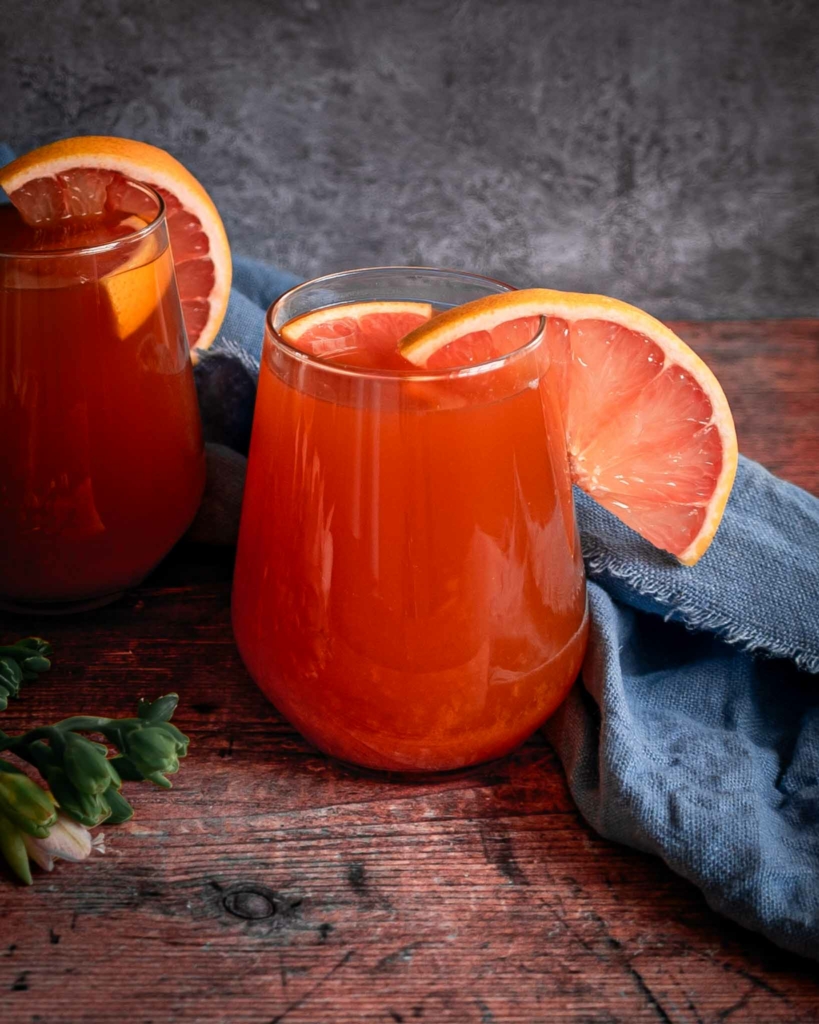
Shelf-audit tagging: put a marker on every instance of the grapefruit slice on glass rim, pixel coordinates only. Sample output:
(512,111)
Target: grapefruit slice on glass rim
(649,431)
(338,333)
(84,176)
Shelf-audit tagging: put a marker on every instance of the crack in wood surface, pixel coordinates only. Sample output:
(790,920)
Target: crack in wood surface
(297,1003)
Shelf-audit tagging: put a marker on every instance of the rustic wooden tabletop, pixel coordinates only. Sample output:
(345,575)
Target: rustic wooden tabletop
(272,885)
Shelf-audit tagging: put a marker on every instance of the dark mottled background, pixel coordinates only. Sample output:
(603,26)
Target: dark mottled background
(664,152)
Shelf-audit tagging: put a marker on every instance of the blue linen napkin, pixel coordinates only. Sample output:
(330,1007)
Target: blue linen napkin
(693,733)
(6,156)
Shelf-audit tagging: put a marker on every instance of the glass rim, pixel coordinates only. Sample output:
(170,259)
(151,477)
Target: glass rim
(101,247)
(421,375)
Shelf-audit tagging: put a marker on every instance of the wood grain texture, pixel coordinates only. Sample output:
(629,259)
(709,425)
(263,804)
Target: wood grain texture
(273,885)
(769,369)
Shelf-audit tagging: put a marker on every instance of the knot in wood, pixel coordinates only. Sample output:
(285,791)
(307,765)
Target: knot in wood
(250,904)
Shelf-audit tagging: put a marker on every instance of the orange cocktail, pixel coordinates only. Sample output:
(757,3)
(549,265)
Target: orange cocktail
(409,587)
(101,465)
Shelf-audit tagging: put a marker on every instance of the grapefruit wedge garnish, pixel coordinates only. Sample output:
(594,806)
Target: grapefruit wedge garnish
(85,177)
(358,333)
(649,432)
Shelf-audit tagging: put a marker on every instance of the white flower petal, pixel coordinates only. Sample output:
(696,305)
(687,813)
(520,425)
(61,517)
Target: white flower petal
(38,853)
(67,840)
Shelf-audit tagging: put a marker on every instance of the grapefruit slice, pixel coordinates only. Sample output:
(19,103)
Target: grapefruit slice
(133,294)
(358,333)
(86,176)
(649,431)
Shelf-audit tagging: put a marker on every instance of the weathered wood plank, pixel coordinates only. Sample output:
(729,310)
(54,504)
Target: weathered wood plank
(769,370)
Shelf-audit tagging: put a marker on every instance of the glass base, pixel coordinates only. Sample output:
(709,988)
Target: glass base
(59,607)
(418,776)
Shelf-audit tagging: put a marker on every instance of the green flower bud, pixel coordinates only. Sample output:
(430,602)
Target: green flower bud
(42,757)
(127,770)
(36,663)
(87,766)
(35,643)
(25,804)
(20,662)
(66,841)
(13,849)
(161,710)
(121,810)
(154,751)
(87,808)
(11,674)
(181,740)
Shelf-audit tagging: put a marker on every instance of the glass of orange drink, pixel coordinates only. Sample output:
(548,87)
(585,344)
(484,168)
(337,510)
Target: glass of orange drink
(102,461)
(409,587)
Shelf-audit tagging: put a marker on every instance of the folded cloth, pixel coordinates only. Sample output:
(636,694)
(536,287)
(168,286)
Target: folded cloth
(693,732)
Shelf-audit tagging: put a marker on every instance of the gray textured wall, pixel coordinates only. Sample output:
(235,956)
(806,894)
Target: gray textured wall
(664,152)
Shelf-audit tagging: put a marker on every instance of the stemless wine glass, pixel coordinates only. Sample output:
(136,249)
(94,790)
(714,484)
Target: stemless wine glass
(409,588)
(102,461)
